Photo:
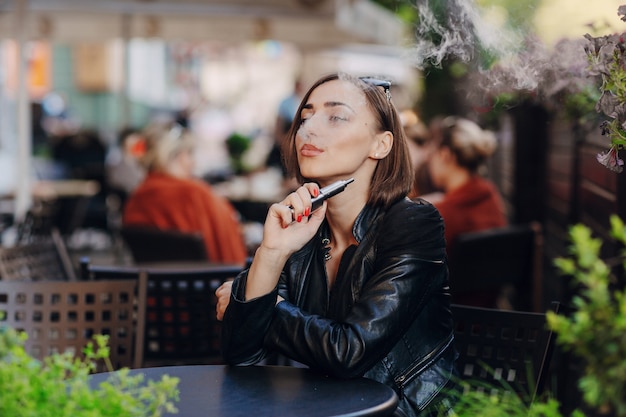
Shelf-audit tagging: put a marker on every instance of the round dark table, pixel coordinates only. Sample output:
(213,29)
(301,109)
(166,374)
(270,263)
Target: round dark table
(280,391)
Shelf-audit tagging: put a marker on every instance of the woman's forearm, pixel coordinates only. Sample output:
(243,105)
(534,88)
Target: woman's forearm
(264,272)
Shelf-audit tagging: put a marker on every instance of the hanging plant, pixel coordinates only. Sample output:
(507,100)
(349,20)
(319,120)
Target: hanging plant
(607,60)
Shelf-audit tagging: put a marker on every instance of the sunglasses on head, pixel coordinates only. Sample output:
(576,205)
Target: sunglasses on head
(386,85)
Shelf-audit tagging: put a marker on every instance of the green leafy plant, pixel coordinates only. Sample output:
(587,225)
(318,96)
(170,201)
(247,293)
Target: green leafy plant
(596,329)
(59,386)
(490,399)
(579,106)
(487,404)
(237,144)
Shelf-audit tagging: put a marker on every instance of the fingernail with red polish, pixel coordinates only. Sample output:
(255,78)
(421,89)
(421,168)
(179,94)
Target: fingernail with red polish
(307,211)
(299,219)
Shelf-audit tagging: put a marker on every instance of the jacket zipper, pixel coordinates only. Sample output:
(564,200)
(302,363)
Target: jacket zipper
(419,367)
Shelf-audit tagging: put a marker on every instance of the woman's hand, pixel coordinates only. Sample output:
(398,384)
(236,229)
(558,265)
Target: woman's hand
(223,298)
(289,225)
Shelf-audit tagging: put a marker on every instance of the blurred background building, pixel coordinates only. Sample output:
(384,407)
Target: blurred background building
(223,66)
(103,65)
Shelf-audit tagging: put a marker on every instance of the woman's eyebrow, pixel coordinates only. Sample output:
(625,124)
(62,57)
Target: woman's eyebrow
(337,104)
(328,104)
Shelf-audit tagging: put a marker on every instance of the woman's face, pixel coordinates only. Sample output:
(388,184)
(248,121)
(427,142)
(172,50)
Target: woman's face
(337,137)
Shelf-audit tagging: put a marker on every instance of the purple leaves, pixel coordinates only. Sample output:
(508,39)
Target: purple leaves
(607,60)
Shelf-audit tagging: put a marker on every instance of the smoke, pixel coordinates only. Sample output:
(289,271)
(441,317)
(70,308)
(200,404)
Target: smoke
(461,30)
(503,59)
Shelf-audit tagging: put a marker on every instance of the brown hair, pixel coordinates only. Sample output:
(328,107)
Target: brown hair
(163,143)
(393,176)
(471,145)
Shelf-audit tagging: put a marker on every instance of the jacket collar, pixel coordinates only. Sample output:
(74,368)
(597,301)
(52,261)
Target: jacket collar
(364,220)
(362,223)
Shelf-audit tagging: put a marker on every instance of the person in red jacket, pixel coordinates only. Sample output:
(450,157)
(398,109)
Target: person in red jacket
(171,198)
(469,202)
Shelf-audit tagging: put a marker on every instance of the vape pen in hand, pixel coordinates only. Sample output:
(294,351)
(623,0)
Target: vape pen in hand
(329,191)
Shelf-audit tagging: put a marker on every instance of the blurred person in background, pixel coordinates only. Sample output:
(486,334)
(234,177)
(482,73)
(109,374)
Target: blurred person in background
(82,154)
(469,201)
(286,112)
(124,171)
(420,148)
(171,198)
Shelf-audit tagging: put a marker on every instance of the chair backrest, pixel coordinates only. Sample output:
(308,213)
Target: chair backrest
(483,263)
(503,349)
(149,244)
(177,319)
(64,316)
(91,272)
(43,259)
(181,325)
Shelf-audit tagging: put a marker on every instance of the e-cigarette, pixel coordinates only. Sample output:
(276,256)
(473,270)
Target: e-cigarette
(329,191)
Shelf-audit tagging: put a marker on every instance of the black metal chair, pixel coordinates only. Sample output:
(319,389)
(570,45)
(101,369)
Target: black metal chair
(484,264)
(43,259)
(63,316)
(150,244)
(503,350)
(177,322)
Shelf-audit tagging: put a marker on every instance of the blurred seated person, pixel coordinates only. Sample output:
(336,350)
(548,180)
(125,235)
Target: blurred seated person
(124,171)
(286,112)
(82,155)
(420,148)
(171,198)
(469,201)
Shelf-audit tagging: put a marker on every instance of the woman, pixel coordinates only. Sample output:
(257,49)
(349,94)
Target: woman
(469,202)
(124,171)
(420,148)
(171,198)
(359,286)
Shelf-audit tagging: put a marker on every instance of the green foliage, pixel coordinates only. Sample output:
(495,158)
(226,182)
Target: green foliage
(580,106)
(406,11)
(237,144)
(59,386)
(596,329)
(520,14)
(491,399)
(487,404)
(500,104)
(594,332)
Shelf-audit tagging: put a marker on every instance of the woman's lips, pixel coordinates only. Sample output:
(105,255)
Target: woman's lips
(310,150)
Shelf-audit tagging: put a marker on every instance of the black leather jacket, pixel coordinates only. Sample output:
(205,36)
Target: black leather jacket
(387,317)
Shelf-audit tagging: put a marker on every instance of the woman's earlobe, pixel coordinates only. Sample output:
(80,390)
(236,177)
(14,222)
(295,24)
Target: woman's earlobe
(384,145)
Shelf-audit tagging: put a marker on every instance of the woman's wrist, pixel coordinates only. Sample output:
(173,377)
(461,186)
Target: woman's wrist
(274,256)
(265,271)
